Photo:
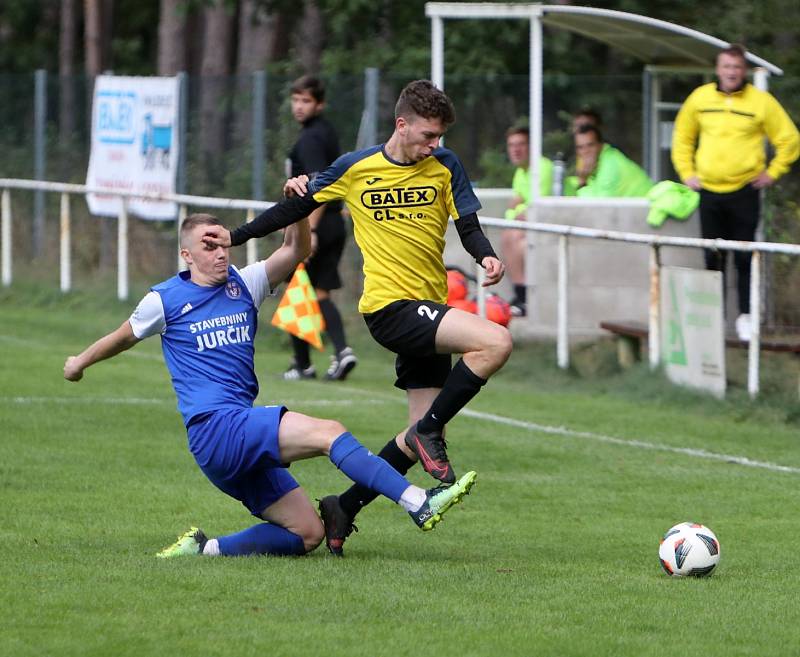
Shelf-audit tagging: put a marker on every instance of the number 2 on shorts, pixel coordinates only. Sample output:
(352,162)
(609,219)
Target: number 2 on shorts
(424,310)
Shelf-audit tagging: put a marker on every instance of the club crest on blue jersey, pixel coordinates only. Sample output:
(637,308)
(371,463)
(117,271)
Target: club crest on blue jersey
(232,289)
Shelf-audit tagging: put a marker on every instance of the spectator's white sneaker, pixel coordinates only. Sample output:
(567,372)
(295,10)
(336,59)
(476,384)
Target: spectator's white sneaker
(743,327)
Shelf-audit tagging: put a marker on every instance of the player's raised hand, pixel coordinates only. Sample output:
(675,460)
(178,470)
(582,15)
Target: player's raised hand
(72,369)
(494,270)
(215,236)
(297,186)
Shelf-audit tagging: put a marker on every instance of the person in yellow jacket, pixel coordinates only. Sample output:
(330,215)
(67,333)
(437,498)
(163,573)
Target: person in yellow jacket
(718,150)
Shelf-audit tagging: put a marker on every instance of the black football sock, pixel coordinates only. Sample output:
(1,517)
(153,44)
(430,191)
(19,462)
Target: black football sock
(358,496)
(302,357)
(333,324)
(461,385)
(519,293)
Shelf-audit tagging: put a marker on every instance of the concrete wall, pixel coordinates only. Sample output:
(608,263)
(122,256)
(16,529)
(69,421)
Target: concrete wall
(607,280)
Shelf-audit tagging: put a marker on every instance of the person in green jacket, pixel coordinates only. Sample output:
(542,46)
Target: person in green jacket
(513,241)
(603,171)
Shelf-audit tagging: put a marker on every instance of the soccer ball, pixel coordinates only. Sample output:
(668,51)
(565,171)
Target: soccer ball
(467,305)
(498,310)
(457,286)
(689,549)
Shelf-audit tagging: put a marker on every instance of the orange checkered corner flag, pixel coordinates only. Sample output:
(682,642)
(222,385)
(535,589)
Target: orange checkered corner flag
(298,312)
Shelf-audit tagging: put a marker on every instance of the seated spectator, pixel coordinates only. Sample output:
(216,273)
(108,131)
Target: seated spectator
(513,241)
(603,170)
(586,116)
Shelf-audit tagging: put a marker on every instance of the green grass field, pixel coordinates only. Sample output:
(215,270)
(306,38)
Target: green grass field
(554,552)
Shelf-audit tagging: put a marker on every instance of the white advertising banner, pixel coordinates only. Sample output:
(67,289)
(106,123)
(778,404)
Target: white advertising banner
(692,327)
(134,144)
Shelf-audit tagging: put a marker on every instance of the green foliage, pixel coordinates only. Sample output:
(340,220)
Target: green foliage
(497,170)
(28,35)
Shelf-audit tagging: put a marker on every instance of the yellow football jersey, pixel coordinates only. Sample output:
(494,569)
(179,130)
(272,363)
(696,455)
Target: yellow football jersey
(400,214)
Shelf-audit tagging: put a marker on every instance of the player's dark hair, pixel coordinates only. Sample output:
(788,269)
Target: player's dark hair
(421,98)
(518,130)
(197,219)
(734,50)
(586,129)
(591,113)
(312,85)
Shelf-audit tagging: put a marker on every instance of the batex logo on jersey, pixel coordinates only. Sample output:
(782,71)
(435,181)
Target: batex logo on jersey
(394,202)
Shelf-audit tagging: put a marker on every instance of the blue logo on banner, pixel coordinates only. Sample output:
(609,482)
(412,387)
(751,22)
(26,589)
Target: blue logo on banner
(116,117)
(156,142)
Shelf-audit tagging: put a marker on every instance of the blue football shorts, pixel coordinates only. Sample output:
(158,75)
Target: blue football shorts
(237,449)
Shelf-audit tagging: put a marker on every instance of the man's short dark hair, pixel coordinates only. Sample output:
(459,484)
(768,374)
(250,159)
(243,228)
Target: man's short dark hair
(197,219)
(421,98)
(592,113)
(312,85)
(518,130)
(734,50)
(586,129)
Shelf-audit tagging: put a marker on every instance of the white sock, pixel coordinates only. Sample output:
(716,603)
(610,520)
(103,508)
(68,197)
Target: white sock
(211,547)
(411,500)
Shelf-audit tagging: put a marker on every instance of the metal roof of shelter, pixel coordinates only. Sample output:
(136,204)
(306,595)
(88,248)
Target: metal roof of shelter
(650,40)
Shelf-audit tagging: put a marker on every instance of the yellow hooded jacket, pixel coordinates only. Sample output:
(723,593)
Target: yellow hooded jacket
(719,137)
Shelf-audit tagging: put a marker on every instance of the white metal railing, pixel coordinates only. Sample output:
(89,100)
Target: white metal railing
(653,241)
(66,189)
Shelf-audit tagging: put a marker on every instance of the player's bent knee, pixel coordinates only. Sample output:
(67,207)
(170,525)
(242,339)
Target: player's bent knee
(310,530)
(500,344)
(326,432)
(313,536)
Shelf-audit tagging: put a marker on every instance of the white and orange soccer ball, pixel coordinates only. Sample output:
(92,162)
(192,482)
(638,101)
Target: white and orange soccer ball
(689,550)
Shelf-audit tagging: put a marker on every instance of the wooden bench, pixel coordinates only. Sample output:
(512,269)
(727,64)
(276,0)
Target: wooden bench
(632,333)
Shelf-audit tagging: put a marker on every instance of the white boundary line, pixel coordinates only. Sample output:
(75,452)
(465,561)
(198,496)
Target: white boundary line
(638,444)
(382,398)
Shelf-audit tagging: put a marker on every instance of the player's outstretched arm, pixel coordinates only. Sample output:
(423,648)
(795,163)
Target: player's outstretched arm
(296,247)
(106,347)
(280,215)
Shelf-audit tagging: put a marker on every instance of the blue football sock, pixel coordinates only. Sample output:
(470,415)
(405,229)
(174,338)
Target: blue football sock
(363,467)
(264,538)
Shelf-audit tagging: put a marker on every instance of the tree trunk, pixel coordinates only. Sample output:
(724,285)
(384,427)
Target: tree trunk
(107,30)
(259,40)
(171,38)
(258,37)
(215,68)
(67,41)
(95,64)
(93,41)
(310,37)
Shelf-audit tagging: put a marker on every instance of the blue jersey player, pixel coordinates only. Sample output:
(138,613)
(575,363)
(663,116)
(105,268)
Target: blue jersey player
(207,320)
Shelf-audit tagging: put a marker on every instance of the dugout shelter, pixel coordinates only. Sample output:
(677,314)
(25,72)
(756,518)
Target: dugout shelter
(605,281)
(661,46)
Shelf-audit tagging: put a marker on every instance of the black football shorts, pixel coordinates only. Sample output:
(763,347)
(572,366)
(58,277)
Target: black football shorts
(408,328)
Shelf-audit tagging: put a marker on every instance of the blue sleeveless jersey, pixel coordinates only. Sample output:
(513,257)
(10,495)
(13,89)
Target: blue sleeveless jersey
(208,343)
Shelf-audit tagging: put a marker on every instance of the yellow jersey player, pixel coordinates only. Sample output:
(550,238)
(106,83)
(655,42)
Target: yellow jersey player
(401,195)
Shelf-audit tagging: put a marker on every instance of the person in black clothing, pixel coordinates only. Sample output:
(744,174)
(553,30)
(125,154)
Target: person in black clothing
(316,148)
